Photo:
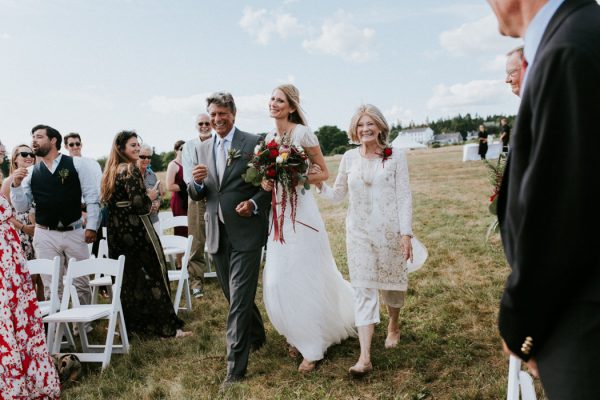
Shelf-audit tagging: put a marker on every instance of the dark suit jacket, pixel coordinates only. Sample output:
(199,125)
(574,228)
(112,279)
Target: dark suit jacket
(244,233)
(550,193)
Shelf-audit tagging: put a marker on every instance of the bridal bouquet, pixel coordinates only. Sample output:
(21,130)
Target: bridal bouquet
(287,165)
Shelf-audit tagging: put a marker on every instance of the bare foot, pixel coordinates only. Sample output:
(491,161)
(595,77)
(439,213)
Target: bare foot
(392,339)
(182,334)
(307,366)
(359,369)
(293,351)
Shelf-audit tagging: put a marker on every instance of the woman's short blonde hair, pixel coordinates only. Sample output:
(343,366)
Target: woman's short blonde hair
(377,117)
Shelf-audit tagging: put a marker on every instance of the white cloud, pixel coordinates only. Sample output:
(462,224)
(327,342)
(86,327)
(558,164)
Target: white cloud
(5,36)
(496,65)
(263,24)
(289,79)
(399,114)
(473,38)
(340,37)
(465,96)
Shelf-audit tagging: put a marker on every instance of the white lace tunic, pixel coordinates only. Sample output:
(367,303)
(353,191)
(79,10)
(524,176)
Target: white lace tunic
(379,213)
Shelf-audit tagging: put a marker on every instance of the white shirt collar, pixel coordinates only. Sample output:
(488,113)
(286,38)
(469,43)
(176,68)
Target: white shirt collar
(535,31)
(228,138)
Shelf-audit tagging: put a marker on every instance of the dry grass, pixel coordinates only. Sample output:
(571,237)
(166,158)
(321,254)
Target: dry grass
(449,346)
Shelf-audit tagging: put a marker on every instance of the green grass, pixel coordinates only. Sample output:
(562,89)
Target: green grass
(449,347)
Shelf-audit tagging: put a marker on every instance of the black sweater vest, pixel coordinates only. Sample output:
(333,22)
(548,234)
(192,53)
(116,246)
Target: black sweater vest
(57,196)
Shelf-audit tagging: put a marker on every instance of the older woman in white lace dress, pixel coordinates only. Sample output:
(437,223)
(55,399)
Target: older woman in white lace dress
(378,226)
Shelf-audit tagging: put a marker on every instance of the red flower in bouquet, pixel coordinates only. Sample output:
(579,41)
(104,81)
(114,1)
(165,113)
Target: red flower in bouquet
(287,165)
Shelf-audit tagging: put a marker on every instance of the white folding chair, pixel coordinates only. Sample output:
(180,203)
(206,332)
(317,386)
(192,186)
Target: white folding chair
(182,276)
(169,223)
(519,382)
(47,307)
(82,314)
(100,280)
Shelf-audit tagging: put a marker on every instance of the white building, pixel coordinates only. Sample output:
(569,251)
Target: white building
(419,135)
(406,142)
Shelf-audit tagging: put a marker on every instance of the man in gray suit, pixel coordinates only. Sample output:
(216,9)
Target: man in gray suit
(236,227)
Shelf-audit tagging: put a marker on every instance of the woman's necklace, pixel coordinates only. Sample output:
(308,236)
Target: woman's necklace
(367,167)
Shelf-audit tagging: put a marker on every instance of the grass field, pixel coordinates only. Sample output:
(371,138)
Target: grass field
(449,347)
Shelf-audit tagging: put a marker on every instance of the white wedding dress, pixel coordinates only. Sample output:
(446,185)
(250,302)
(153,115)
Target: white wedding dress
(307,299)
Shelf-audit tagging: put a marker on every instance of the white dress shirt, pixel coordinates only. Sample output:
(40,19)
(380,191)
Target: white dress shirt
(22,198)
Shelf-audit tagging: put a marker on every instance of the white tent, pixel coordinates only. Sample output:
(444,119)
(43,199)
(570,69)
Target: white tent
(404,142)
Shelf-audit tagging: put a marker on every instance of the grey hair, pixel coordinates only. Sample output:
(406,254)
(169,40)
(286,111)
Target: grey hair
(221,99)
(516,50)
(146,147)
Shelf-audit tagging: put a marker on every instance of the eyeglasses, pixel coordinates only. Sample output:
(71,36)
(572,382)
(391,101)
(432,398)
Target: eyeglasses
(74,144)
(513,72)
(26,154)
(203,123)
(145,157)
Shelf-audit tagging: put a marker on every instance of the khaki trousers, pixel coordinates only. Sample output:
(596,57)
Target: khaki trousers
(197,228)
(49,244)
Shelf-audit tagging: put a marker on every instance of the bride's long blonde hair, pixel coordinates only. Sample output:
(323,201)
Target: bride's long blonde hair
(117,161)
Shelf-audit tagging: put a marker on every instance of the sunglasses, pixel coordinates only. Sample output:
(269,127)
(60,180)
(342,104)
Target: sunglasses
(73,144)
(145,157)
(26,154)
(203,123)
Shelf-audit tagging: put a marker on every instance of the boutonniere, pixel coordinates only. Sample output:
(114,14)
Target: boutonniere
(386,153)
(64,174)
(232,154)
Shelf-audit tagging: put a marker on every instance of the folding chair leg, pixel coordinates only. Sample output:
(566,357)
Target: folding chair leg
(177,299)
(83,337)
(123,332)
(94,295)
(110,337)
(188,296)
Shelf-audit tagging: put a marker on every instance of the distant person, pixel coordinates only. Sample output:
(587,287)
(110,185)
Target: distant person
(4,170)
(482,135)
(514,65)
(150,180)
(176,184)
(548,202)
(178,188)
(196,209)
(145,292)
(504,134)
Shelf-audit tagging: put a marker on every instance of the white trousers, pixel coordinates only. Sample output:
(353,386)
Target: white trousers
(71,244)
(366,304)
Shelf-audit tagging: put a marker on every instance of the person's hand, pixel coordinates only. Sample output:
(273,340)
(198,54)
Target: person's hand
(28,229)
(245,208)
(90,236)
(152,193)
(267,184)
(314,169)
(531,364)
(407,248)
(18,176)
(199,173)
(155,206)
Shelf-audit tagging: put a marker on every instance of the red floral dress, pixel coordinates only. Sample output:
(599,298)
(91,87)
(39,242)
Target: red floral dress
(26,369)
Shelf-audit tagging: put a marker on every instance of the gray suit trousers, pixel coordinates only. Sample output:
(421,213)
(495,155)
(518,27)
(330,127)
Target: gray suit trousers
(237,272)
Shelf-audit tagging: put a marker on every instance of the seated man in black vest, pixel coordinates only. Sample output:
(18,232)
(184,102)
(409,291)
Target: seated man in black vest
(56,186)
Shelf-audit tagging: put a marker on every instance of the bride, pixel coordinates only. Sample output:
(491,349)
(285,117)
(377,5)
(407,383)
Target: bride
(307,299)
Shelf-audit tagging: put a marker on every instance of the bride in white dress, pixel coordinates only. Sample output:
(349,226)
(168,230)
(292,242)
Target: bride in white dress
(307,299)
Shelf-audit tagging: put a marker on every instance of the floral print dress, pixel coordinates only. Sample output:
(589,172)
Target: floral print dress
(26,369)
(145,292)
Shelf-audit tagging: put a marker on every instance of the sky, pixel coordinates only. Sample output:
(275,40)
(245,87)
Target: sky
(98,67)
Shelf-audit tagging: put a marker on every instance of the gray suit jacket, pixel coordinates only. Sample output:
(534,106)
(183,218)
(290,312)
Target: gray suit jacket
(245,233)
